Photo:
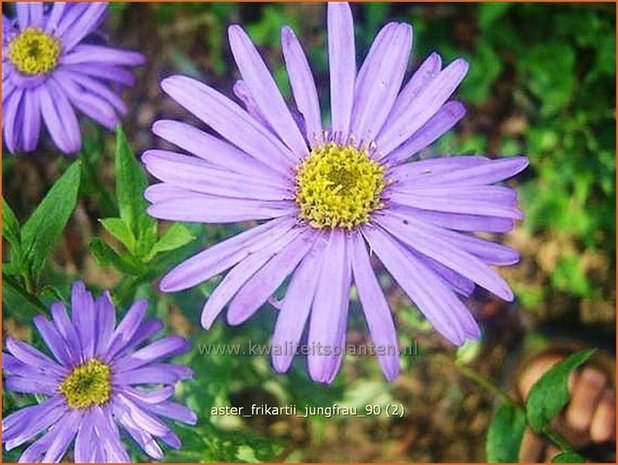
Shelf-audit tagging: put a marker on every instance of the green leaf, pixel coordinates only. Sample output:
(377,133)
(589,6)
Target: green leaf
(10,226)
(105,255)
(18,302)
(550,393)
(175,237)
(131,182)
(568,457)
(505,434)
(46,224)
(118,228)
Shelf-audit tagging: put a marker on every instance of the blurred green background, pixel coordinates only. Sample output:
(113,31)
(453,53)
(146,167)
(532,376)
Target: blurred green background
(541,83)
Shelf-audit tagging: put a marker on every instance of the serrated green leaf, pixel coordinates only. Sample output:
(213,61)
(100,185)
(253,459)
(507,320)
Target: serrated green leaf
(175,237)
(505,434)
(46,224)
(568,457)
(550,393)
(105,255)
(119,228)
(131,182)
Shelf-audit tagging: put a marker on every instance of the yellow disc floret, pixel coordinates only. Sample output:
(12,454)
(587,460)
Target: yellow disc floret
(34,52)
(338,186)
(87,385)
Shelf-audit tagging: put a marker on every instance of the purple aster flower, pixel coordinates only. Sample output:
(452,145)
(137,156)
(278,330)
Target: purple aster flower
(94,384)
(330,199)
(49,71)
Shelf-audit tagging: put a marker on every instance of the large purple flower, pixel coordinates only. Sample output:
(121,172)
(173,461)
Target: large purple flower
(94,385)
(48,71)
(330,195)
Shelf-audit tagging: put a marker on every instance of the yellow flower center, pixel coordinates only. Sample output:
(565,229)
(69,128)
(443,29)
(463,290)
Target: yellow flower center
(338,186)
(87,385)
(34,52)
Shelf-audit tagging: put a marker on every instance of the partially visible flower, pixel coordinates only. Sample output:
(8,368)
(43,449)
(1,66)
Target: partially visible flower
(49,70)
(101,378)
(333,197)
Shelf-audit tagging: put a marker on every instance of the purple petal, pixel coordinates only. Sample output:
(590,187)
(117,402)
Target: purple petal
(424,106)
(422,77)
(460,284)
(149,423)
(196,175)
(63,437)
(203,208)
(241,273)
(31,385)
(106,72)
(223,255)
(55,16)
(504,196)
(127,328)
(82,308)
(432,296)
(342,63)
(303,85)
(330,310)
(60,118)
(136,431)
(380,79)
(439,124)
(23,14)
(145,331)
(31,356)
(241,90)
(86,53)
(295,309)
(174,411)
(66,330)
(84,25)
(214,150)
(28,422)
(267,280)
(108,435)
(423,238)
(457,221)
(31,125)
(53,339)
(163,348)
(377,314)
(147,375)
(12,120)
(149,397)
(105,314)
(96,88)
(265,92)
(87,447)
(229,120)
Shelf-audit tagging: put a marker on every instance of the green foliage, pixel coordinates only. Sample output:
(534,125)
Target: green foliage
(505,434)
(134,228)
(568,457)
(550,393)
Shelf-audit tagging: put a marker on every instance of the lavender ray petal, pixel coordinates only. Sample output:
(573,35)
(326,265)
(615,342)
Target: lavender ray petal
(86,53)
(438,124)
(241,273)
(84,25)
(31,385)
(241,90)
(63,438)
(109,435)
(31,356)
(67,331)
(168,346)
(145,331)
(303,85)
(230,121)
(375,307)
(499,195)
(330,309)
(82,307)
(421,238)
(434,299)
(203,208)
(31,125)
(342,64)
(86,444)
(94,87)
(148,423)
(149,397)
(105,314)
(70,14)
(11,120)
(60,118)
(256,291)
(379,81)
(296,306)
(55,16)
(152,374)
(22,10)
(146,442)
(53,339)
(196,175)
(106,72)
(28,422)
(127,328)
(174,411)
(265,92)
(424,106)
(460,284)
(215,150)
(223,255)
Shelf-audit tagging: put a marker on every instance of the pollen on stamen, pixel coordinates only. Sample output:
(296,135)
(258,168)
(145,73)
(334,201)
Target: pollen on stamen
(34,52)
(87,385)
(339,186)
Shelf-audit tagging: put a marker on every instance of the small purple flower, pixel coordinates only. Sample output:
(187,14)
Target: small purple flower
(330,199)
(49,71)
(94,385)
